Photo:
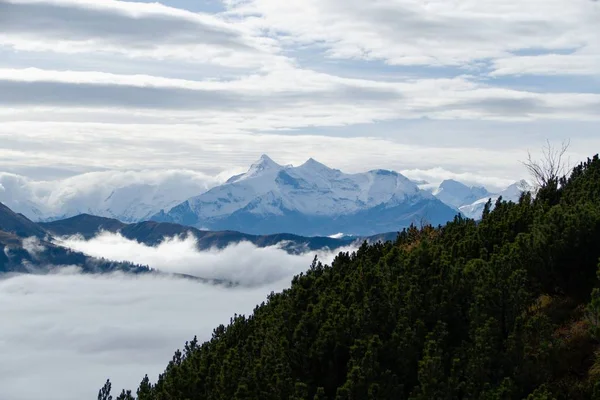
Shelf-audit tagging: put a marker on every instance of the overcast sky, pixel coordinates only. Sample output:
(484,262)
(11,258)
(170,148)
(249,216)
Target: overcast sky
(440,86)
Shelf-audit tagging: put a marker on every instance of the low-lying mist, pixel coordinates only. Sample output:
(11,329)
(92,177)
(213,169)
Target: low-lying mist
(242,263)
(65,333)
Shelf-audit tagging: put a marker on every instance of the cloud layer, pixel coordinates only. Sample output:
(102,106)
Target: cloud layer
(447,77)
(436,33)
(257,267)
(124,28)
(130,195)
(63,334)
(68,332)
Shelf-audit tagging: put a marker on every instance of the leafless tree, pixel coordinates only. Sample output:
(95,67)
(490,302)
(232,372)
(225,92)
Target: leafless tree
(551,167)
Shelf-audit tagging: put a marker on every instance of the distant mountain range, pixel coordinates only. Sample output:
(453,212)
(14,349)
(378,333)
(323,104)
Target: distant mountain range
(152,233)
(470,201)
(457,194)
(309,200)
(26,246)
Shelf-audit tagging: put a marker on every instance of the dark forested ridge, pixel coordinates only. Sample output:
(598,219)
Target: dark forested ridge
(153,233)
(506,308)
(26,247)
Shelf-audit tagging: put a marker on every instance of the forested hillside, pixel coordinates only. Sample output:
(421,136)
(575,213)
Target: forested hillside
(506,308)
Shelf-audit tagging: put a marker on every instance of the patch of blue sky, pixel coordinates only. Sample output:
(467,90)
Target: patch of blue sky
(205,6)
(548,84)
(542,51)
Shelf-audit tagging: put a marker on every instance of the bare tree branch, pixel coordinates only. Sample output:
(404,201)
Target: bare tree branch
(552,165)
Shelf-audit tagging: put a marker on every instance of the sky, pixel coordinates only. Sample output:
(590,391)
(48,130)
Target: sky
(437,88)
(68,332)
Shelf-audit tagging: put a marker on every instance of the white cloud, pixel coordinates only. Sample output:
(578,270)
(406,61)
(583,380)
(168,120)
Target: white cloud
(33,246)
(435,176)
(68,332)
(548,64)
(130,195)
(439,32)
(285,98)
(129,29)
(180,255)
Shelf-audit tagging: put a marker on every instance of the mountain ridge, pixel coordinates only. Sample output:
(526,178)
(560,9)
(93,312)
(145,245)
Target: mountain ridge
(152,233)
(270,189)
(26,247)
(311,199)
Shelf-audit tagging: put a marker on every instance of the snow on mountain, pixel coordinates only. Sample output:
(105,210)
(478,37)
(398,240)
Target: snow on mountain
(129,196)
(511,193)
(514,191)
(309,199)
(312,189)
(457,194)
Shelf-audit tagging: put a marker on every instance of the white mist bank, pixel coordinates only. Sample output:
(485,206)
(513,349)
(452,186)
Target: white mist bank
(243,262)
(65,333)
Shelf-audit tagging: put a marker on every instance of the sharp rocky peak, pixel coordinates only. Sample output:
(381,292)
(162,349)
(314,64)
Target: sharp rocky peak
(263,163)
(265,160)
(314,164)
(521,185)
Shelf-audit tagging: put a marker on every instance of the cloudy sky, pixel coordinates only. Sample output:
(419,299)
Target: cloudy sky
(436,87)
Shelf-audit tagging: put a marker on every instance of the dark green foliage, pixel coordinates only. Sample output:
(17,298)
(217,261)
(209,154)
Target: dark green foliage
(104,393)
(125,395)
(490,310)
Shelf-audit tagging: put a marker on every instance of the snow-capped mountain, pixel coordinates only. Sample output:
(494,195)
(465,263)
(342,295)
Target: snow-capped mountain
(511,193)
(457,194)
(129,196)
(311,199)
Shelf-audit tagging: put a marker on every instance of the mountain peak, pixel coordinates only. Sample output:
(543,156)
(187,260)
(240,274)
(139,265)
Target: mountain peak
(314,164)
(266,158)
(522,185)
(514,191)
(310,199)
(451,183)
(263,163)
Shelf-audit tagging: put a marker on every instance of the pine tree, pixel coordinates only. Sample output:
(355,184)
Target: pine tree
(104,392)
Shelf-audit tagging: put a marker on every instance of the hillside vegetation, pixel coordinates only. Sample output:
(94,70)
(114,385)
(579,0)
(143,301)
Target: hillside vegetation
(504,308)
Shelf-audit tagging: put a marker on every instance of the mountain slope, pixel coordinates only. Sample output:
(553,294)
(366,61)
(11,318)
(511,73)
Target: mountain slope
(507,308)
(457,194)
(85,225)
(511,193)
(311,199)
(18,224)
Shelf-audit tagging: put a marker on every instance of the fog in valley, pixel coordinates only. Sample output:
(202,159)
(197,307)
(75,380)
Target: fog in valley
(64,332)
